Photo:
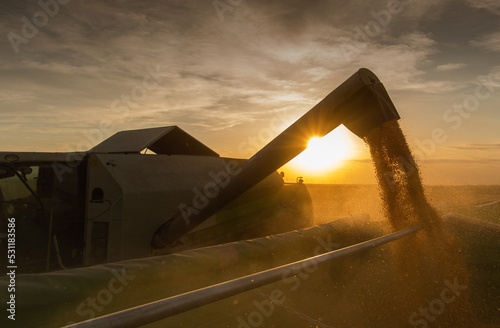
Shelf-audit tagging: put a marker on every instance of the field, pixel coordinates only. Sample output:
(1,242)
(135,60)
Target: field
(480,247)
(369,289)
(337,201)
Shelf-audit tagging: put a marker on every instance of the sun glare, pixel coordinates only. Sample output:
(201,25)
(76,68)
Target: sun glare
(325,153)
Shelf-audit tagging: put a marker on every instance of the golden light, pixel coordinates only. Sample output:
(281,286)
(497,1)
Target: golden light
(325,153)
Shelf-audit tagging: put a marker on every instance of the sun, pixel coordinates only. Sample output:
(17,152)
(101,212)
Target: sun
(325,153)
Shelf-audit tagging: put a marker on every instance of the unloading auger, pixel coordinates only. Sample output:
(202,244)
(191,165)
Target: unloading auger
(361,103)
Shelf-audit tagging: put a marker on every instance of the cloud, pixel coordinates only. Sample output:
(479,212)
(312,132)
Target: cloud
(451,66)
(490,5)
(451,161)
(489,42)
(264,57)
(398,65)
(492,146)
(458,161)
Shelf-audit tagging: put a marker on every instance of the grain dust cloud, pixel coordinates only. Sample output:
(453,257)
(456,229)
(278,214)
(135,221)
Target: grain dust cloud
(428,264)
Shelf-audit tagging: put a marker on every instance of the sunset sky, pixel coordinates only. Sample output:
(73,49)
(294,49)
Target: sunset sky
(235,73)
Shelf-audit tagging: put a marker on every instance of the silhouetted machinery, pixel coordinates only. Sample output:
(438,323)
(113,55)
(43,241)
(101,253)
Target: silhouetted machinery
(104,213)
(115,202)
(106,205)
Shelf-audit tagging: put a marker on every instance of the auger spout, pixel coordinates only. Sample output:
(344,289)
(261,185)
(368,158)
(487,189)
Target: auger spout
(361,103)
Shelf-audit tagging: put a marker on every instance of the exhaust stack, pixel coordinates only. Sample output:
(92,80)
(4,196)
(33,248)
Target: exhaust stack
(361,103)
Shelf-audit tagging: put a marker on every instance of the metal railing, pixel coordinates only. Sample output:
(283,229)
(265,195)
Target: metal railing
(158,310)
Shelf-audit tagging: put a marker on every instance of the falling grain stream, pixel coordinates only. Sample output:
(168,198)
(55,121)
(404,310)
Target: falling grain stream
(431,289)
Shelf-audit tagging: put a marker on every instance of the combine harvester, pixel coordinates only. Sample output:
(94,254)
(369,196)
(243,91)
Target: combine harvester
(115,237)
